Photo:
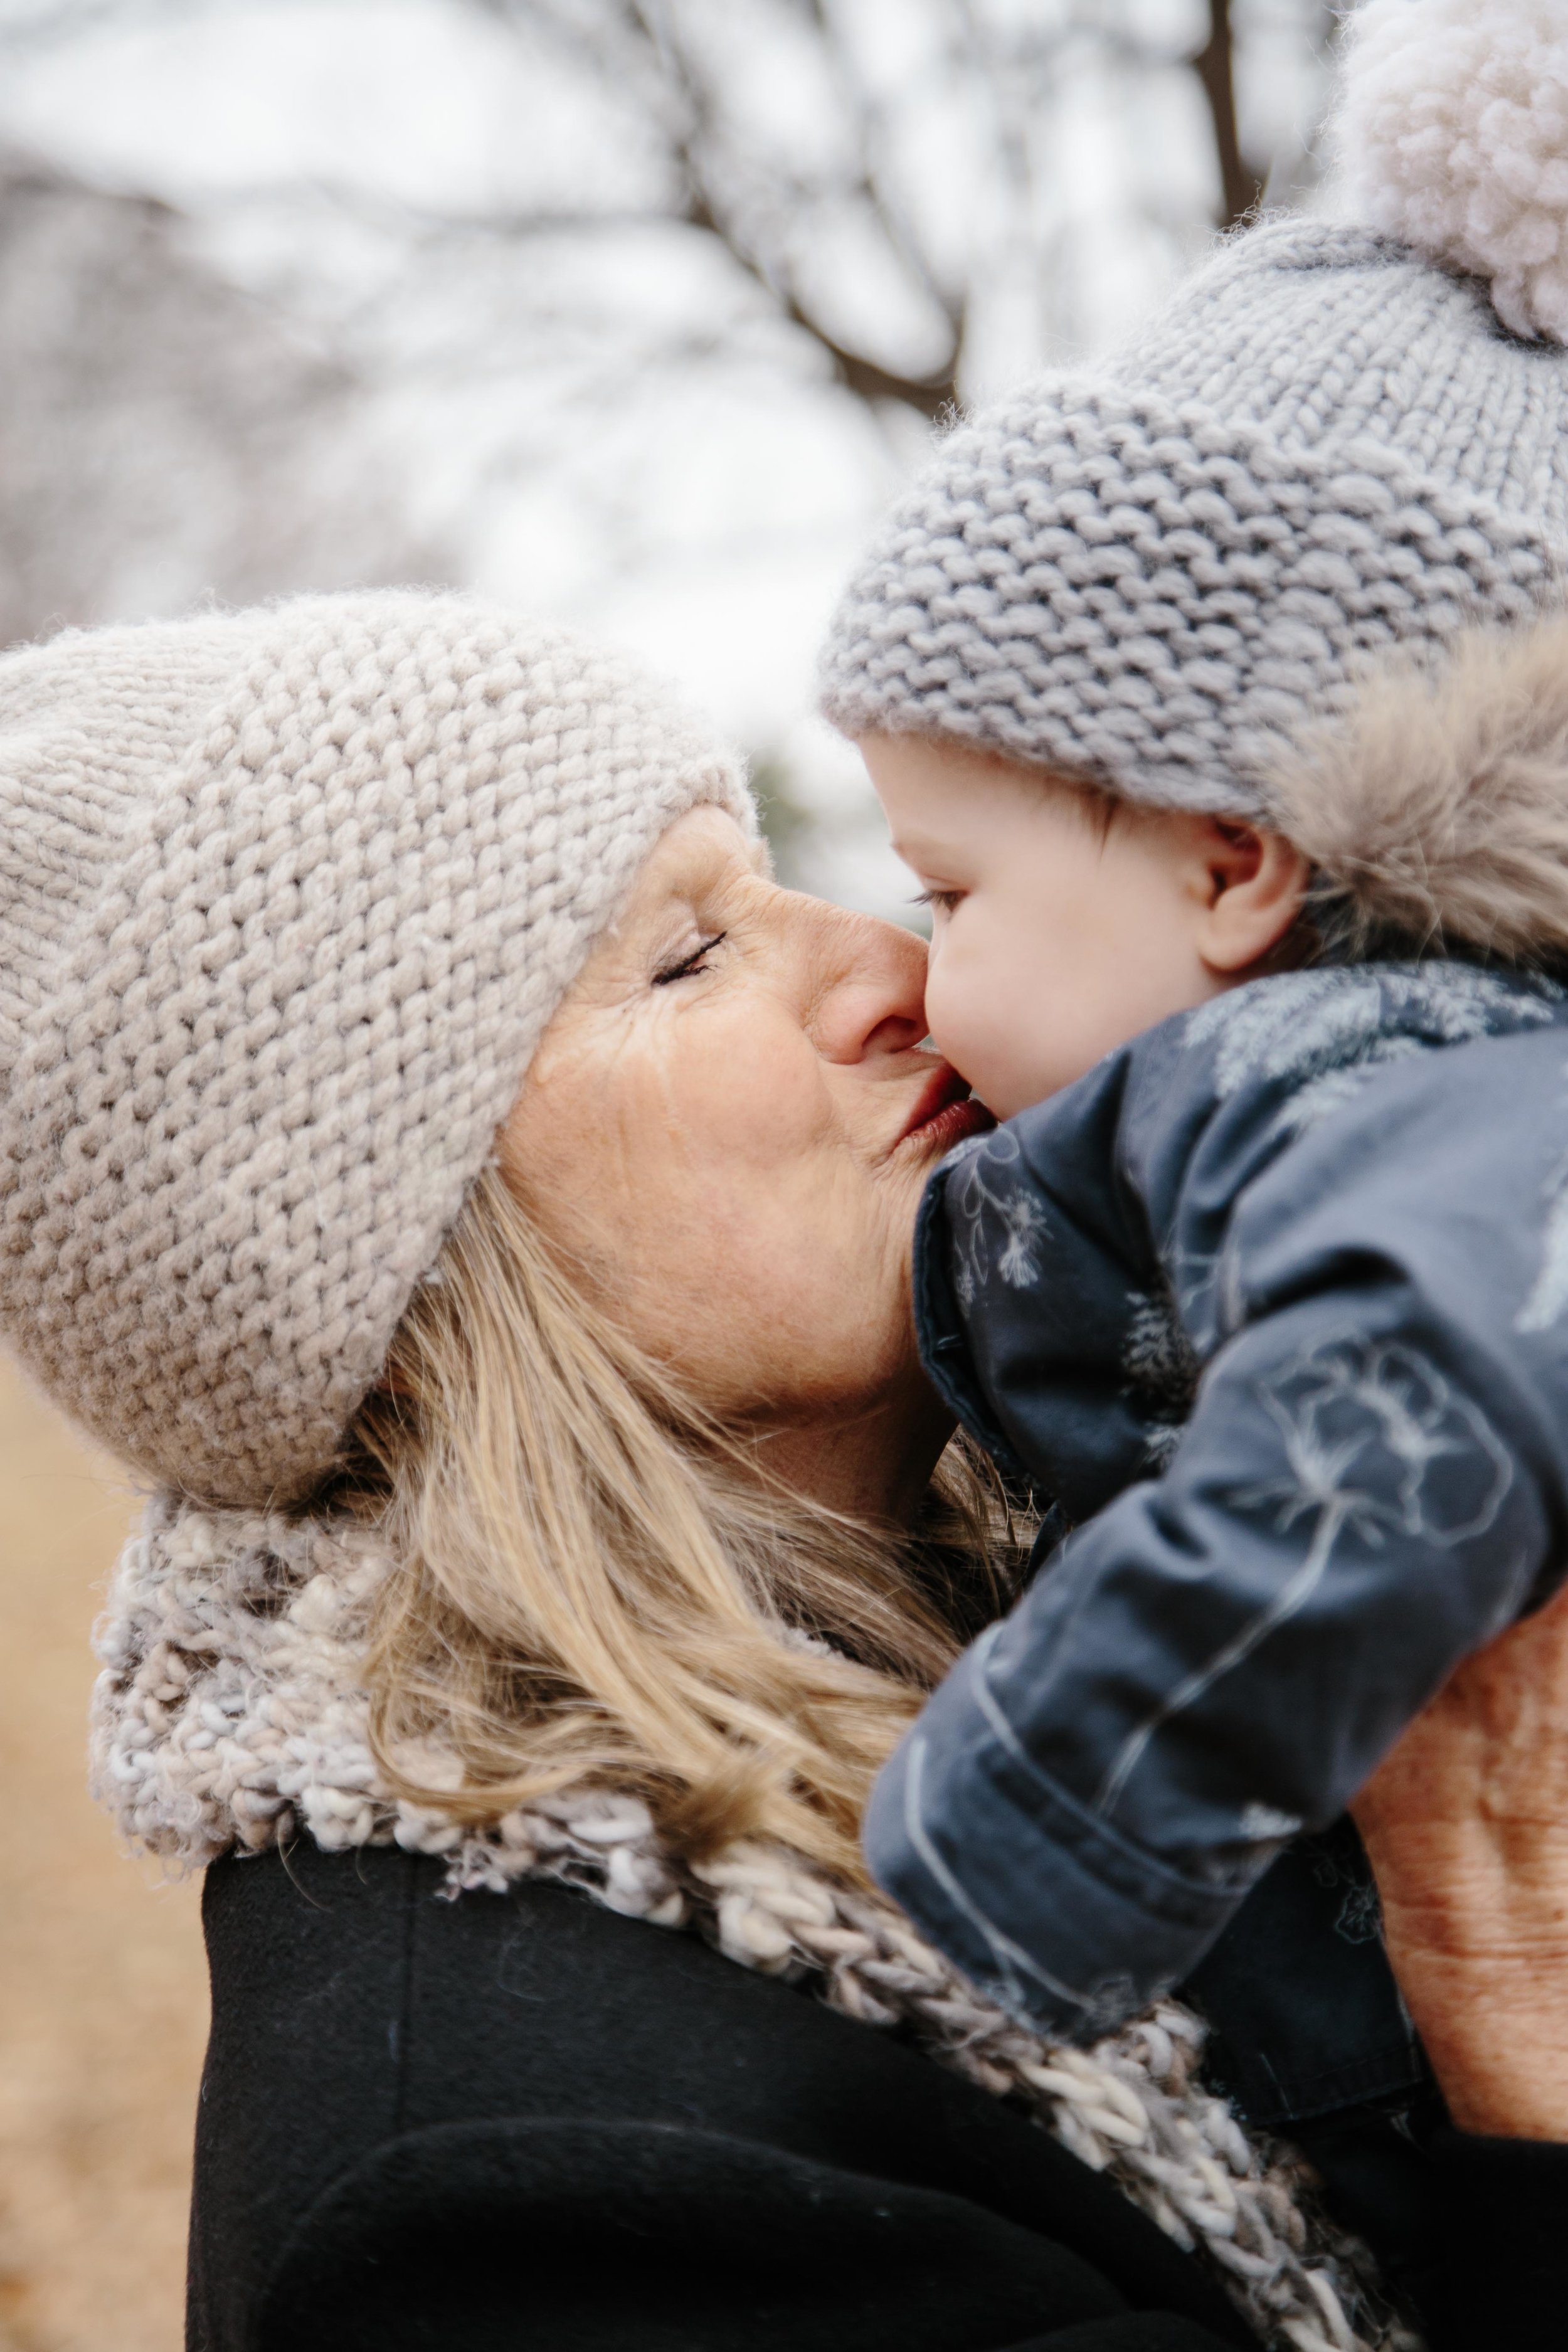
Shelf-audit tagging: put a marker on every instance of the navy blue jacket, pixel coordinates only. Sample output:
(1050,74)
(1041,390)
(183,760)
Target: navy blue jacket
(1271,1307)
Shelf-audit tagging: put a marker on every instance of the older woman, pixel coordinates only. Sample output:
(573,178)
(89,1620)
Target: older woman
(477,1199)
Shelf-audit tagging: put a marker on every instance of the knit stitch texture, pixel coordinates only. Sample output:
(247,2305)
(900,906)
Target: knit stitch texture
(1331,444)
(231,1713)
(287,901)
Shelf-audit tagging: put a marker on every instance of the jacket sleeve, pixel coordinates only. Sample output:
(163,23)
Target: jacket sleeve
(1370,1484)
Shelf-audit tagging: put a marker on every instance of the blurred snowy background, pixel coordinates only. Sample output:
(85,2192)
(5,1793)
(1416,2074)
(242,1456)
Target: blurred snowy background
(634,311)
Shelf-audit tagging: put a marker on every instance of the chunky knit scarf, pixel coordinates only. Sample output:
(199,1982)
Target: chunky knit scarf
(230,1712)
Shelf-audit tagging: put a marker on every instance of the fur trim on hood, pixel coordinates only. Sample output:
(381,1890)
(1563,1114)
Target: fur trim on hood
(1433,810)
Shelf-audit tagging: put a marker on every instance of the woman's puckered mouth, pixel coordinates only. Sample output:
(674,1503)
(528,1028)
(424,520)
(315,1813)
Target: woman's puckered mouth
(945,1113)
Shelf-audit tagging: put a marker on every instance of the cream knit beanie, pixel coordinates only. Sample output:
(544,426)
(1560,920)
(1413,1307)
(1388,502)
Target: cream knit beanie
(286,897)
(1345,436)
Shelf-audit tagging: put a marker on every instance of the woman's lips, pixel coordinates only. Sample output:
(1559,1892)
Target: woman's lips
(946,1114)
(954,1125)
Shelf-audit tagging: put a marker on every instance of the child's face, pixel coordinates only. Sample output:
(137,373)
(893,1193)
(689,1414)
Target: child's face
(1056,936)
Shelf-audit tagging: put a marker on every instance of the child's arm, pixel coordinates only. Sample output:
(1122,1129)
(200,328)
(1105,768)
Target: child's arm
(1373,1479)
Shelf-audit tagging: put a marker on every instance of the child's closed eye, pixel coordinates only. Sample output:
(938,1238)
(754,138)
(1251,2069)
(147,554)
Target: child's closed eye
(942,902)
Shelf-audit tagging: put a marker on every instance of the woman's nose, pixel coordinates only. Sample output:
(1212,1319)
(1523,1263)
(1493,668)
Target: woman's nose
(869,996)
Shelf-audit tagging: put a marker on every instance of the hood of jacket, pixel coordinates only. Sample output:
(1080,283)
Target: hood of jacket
(1433,807)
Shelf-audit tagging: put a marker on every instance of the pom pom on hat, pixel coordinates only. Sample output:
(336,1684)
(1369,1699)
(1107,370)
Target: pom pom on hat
(1452,135)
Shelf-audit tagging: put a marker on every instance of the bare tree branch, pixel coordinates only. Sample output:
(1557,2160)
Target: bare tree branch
(769,209)
(1214,66)
(707,209)
(652,43)
(871,183)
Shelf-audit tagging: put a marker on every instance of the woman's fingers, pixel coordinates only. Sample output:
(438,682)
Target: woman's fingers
(1488,1758)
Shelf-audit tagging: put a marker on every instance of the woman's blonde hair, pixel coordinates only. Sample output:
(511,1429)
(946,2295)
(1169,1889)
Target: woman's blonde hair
(596,1583)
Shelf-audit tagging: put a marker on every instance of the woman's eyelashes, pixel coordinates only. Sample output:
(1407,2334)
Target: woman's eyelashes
(688,966)
(942,902)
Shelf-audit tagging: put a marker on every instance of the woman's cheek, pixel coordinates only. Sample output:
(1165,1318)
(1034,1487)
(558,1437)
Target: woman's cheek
(751,1092)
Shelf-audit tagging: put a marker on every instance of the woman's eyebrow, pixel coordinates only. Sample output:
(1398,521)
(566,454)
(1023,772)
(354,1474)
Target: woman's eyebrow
(709,876)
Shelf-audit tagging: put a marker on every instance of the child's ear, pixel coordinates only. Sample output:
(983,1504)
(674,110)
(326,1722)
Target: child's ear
(1253,885)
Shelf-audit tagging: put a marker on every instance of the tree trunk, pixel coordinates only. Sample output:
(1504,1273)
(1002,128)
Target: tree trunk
(1214,68)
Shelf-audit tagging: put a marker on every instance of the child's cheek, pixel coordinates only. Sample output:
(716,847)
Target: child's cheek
(956,1000)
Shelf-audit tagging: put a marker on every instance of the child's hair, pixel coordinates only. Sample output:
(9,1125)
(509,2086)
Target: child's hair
(596,1582)
(1099,804)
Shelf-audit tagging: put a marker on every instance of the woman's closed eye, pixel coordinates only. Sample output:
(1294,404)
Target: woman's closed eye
(942,902)
(688,966)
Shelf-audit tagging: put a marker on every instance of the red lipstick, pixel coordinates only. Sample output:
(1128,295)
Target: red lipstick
(944,1114)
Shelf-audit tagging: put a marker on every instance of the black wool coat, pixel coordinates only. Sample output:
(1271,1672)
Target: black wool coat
(521,2121)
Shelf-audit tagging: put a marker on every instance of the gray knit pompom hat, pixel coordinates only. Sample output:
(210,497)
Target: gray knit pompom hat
(1345,435)
(287,899)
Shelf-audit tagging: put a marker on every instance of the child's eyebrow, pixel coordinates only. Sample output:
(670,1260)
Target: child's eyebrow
(911,841)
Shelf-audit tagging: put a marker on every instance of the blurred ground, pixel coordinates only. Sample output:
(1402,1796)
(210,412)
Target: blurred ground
(102,1985)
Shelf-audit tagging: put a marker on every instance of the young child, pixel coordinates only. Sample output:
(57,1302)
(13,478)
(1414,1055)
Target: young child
(1218,703)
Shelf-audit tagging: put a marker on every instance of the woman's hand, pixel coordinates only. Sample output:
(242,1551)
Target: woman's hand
(1466,1822)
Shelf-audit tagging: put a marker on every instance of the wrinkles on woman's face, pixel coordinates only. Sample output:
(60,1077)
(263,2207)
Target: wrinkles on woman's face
(716,1125)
